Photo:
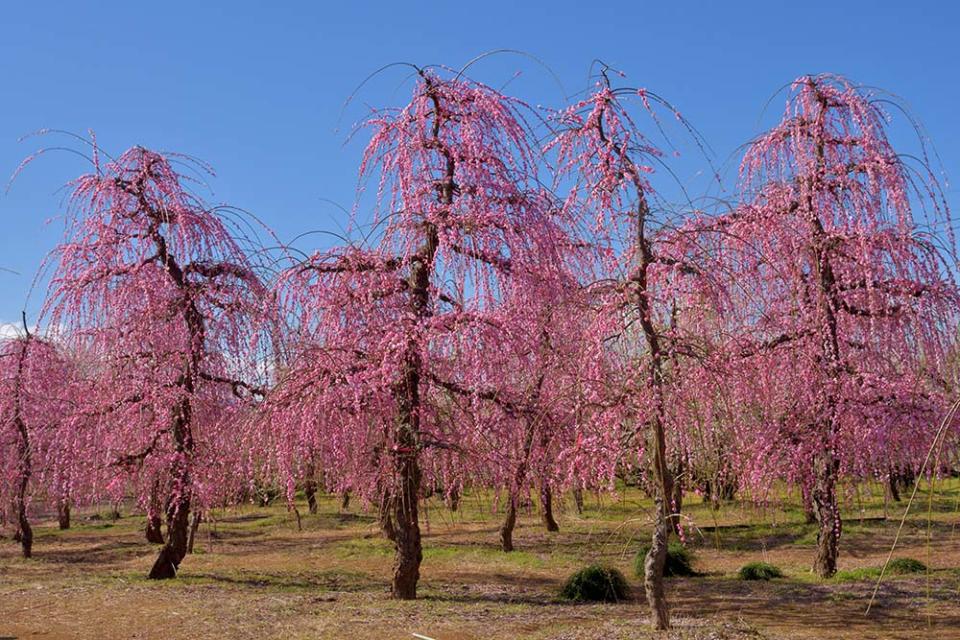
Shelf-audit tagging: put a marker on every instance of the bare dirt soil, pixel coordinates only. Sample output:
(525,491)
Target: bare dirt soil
(255,575)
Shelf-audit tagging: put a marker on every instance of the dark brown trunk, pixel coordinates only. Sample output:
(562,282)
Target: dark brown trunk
(546,506)
(509,522)
(175,548)
(344,500)
(893,482)
(25,464)
(453,499)
(409,553)
(828,515)
(63,514)
(25,531)
(578,499)
(727,487)
(809,511)
(154,529)
(194,526)
(676,503)
(310,491)
(178,506)
(385,517)
(706,492)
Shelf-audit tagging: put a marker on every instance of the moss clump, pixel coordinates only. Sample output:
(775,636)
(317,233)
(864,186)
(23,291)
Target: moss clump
(679,560)
(759,571)
(596,583)
(906,565)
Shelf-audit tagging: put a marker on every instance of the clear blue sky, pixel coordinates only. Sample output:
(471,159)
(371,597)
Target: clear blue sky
(256,88)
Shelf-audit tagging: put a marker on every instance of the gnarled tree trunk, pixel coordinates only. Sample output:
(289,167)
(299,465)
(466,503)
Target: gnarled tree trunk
(154,528)
(409,553)
(175,549)
(310,491)
(385,517)
(676,500)
(578,499)
(508,524)
(828,515)
(63,514)
(653,567)
(546,506)
(194,526)
(453,499)
(24,531)
(178,507)
(663,525)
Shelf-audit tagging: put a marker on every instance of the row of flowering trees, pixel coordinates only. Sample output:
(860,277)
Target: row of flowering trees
(530,318)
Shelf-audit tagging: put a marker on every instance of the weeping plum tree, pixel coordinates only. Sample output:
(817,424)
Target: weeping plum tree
(599,145)
(35,397)
(549,368)
(150,285)
(392,326)
(846,308)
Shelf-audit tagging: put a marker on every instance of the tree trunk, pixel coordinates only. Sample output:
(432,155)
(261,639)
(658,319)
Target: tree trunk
(153,531)
(25,464)
(806,498)
(657,556)
(194,525)
(24,530)
(178,531)
(385,517)
(178,506)
(663,525)
(509,522)
(653,566)
(409,553)
(828,515)
(676,504)
(546,504)
(453,499)
(892,482)
(727,487)
(707,493)
(345,501)
(63,514)
(310,491)
(578,499)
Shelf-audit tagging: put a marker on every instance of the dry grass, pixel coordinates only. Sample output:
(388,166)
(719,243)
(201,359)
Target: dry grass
(255,576)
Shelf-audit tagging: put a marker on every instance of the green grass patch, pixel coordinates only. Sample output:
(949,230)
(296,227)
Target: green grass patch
(906,565)
(360,547)
(897,566)
(855,575)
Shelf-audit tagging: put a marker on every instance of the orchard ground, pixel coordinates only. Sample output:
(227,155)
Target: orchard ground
(255,575)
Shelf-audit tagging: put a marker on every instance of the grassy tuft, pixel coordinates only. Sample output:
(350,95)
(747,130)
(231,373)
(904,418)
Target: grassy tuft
(596,583)
(679,560)
(759,571)
(906,565)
